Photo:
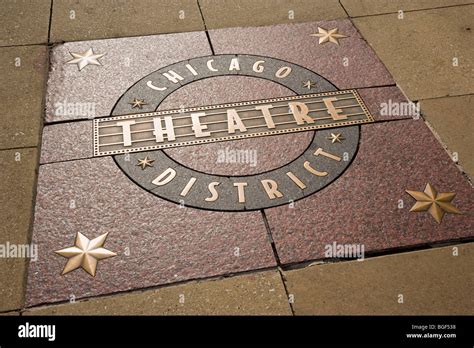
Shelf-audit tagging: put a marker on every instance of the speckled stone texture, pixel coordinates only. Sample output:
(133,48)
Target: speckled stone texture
(261,293)
(67,141)
(165,243)
(126,61)
(361,206)
(376,98)
(129,59)
(294,44)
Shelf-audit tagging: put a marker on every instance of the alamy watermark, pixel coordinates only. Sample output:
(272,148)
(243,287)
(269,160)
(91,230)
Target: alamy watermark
(344,251)
(392,108)
(23,251)
(28,330)
(237,156)
(76,109)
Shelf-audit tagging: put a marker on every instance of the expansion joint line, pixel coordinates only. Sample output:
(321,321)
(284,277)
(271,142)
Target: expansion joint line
(205,28)
(289,297)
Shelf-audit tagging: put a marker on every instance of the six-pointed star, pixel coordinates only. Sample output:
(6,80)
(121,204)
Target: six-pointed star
(436,203)
(335,137)
(85,254)
(146,162)
(84,59)
(328,36)
(138,103)
(309,84)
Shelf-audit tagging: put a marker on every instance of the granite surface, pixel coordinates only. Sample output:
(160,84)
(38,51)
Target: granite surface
(94,90)
(362,205)
(74,139)
(351,64)
(157,242)
(385,103)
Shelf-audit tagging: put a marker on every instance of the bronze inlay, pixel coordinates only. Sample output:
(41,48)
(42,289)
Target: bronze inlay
(198,125)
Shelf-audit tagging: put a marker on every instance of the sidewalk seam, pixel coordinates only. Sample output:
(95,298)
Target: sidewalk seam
(50,21)
(382,253)
(270,237)
(154,287)
(283,280)
(347,13)
(408,11)
(205,27)
(35,184)
(277,258)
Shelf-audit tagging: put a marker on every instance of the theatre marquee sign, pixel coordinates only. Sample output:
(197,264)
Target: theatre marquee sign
(137,140)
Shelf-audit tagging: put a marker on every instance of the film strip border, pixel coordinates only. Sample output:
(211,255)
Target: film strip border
(107,128)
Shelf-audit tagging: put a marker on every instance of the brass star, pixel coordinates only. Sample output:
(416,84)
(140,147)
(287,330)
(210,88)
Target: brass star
(146,162)
(138,103)
(436,203)
(84,59)
(336,137)
(328,36)
(85,254)
(309,84)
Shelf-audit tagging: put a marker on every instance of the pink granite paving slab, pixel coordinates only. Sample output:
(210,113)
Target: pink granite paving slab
(157,242)
(67,141)
(361,206)
(93,91)
(351,64)
(384,103)
(223,89)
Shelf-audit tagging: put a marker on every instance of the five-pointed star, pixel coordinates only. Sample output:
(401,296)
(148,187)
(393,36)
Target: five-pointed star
(309,84)
(138,103)
(146,162)
(85,254)
(84,59)
(336,137)
(436,203)
(328,36)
